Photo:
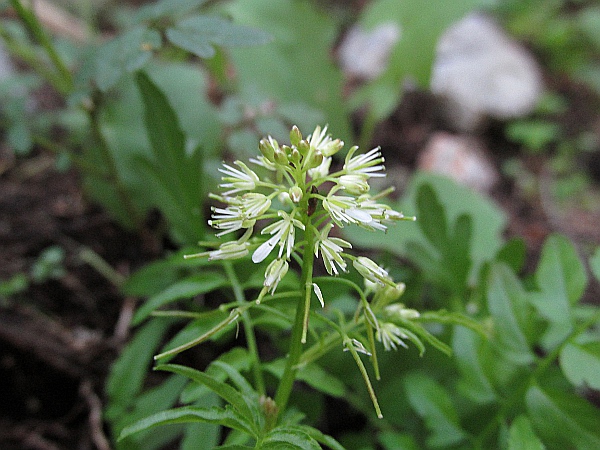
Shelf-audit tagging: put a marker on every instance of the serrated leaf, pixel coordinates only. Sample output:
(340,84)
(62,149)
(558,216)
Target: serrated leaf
(432,402)
(189,287)
(563,419)
(199,35)
(126,53)
(186,414)
(581,363)
(522,437)
(223,390)
(507,304)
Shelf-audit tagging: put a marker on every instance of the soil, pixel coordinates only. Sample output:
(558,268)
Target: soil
(59,337)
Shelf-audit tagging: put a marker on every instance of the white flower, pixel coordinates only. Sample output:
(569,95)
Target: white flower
(400,312)
(230,219)
(371,271)
(357,345)
(366,164)
(229,250)
(319,140)
(319,294)
(283,233)
(354,184)
(254,204)
(276,270)
(331,248)
(390,336)
(343,209)
(239,180)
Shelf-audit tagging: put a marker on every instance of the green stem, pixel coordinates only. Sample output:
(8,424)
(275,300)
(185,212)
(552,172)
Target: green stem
(240,298)
(34,27)
(299,328)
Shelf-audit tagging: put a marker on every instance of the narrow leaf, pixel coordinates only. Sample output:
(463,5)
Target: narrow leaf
(223,390)
(289,437)
(432,217)
(189,287)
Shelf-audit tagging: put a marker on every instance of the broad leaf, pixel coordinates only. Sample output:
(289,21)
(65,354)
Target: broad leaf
(510,311)
(581,363)
(562,419)
(199,34)
(522,437)
(123,54)
(432,402)
(166,8)
(561,279)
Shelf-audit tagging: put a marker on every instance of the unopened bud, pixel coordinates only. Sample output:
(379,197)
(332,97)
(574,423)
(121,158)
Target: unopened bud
(266,149)
(295,136)
(296,194)
(280,157)
(303,147)
(295,156)
(315,159)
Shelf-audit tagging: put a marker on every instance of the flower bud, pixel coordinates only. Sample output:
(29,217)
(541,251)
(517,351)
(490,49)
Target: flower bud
(280,157)
(295,156)
(371,271)
(295,136)
(315,159)
(303,147)
(296,194)
(266,149)
(354,184)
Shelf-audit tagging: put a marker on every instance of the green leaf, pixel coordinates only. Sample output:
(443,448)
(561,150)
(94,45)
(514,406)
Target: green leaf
(432,402)
(513,254)
(313,375)
(522,437)
(198,35)
(289,438)
(186,414)
(318,436)
(128,372)
(432,217)
(223,390)
(563,419)
(580,362)
(296,67)
(126,53)
(236,377)
(487,226)
(175,173)
(473,383)
(189,287)
(561,279)
(510,312)
(237,357)
(166,8)
(391,440)
(210,432)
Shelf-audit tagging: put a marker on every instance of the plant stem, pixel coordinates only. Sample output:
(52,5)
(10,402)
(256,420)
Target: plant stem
(33,26)
(238,293)
(298,330)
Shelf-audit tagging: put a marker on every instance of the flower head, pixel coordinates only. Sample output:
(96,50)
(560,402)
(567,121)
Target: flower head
(331,248)
(391,336)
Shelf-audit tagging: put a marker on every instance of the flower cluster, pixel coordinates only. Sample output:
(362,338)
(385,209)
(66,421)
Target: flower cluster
(299,194)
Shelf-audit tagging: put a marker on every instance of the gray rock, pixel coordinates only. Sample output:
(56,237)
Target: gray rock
(482,72)
(462,158)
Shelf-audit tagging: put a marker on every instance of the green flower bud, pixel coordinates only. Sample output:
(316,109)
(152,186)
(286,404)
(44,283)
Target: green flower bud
(303,147)
(266,149)
(315,160)
(280,157)
(296,194)
(295,136)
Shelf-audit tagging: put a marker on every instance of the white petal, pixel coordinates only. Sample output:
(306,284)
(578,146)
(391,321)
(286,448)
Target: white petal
(319,294)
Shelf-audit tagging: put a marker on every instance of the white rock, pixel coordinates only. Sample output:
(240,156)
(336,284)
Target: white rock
(461,158)
(484,73)
(364,54)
